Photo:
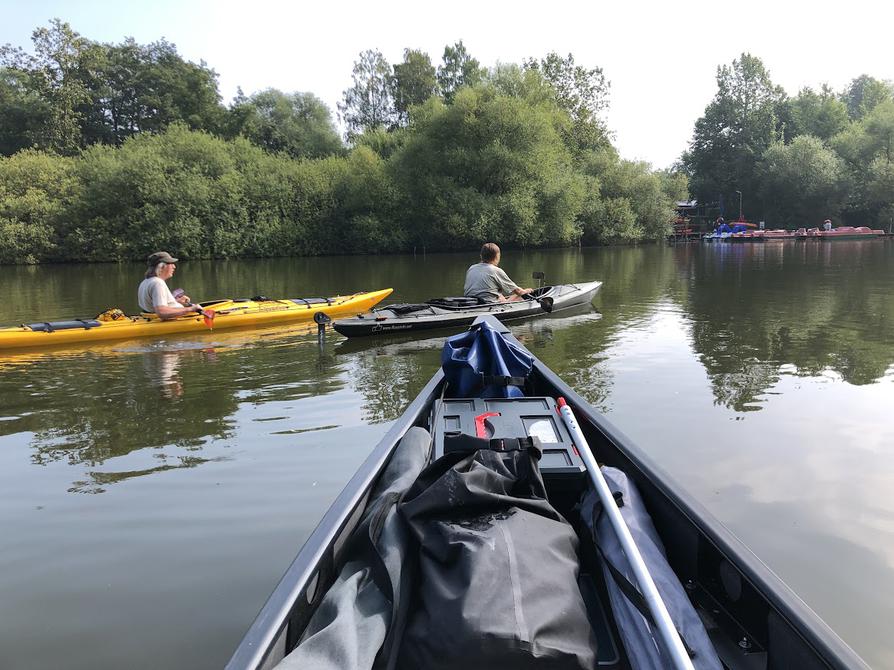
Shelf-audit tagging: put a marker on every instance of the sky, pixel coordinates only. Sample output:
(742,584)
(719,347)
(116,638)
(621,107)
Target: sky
(661,58)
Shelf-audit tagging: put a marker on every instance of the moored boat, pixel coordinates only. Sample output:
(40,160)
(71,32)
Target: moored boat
(460,312)
(347,601)
(840,233)
(113,324)
(762,236)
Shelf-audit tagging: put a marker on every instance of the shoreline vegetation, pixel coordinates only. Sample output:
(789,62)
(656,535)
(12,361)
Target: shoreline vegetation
(111,151)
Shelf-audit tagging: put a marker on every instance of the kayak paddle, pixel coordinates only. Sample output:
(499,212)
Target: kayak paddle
(546,302)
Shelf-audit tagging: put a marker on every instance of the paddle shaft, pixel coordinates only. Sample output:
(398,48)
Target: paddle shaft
(662,620)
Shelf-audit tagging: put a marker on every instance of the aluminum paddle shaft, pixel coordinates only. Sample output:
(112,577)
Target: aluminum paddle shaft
(662,619)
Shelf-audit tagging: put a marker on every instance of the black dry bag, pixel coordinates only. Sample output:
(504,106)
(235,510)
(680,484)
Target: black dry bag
(498,565)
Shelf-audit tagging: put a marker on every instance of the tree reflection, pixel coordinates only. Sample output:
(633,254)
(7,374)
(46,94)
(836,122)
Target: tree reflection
(390,381)
(90,408)
(816,306)
(752,312)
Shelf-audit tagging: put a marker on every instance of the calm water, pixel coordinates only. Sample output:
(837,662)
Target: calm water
(153,492)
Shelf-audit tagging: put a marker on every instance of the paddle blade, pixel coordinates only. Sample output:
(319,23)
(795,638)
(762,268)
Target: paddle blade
(209,318)
(546,304)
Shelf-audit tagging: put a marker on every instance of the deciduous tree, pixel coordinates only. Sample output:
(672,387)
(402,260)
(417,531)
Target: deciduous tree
(818,113)
(298,124)
(368,103)
(24,115)
(58,72)
(457,69)
(864,94)
(802,183)
(738,126)
(413,83)
(580,91)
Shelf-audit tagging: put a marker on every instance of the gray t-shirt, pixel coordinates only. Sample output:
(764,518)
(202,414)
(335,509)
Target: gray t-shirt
(485,280)
(154,291)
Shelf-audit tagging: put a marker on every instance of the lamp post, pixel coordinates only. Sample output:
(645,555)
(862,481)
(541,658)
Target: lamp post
(740,204)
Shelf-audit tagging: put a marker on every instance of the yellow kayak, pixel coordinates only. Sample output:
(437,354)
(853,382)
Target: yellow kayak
(113,324)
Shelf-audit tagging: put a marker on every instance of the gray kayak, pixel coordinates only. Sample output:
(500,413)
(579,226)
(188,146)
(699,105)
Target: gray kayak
(460,312)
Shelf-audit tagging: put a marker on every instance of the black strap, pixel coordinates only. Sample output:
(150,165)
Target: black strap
(502,380)
(457,442)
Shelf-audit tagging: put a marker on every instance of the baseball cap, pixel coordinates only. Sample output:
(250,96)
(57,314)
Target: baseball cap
(161,257)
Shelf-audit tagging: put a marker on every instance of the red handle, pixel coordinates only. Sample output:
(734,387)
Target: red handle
(480,428)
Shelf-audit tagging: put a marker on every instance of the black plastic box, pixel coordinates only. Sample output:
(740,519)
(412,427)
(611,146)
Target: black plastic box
(513,417)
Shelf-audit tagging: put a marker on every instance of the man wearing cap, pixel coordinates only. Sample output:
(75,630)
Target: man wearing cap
(154,295)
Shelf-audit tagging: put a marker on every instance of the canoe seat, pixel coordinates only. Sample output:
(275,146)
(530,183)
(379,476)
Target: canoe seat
(51,326)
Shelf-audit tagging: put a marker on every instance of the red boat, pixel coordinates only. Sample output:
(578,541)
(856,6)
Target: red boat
(840,233)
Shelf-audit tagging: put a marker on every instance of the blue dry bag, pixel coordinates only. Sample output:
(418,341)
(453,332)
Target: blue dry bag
(482,363)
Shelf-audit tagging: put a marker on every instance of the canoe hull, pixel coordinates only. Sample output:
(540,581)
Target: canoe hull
(721,575)
(385,322)
(228,314)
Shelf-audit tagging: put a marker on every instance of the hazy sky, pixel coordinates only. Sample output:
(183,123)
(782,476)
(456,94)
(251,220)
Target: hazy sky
(661,58)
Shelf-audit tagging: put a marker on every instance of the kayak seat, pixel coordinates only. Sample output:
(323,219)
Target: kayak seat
(307,302)
(51,326)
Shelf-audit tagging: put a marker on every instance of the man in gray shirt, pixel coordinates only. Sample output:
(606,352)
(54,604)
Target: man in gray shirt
(487,281)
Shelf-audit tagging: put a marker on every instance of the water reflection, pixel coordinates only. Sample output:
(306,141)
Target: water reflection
(390,371)
(219,452)
(162,369)
(753,313)
(757,309)
(155,406)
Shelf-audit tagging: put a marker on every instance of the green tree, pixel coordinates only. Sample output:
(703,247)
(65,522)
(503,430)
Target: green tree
(867,148)
(674,184)
(879,125)
(489,166)
(363,219)
(879,177)
(102,93)
(413,83)
(368,103)
(36,192)
(24,115)
(299,124)
(145,88)
(820,114)
(739,124)
(864,94)
(581,92)
(457,69)
(59,73)
(635,203)
(802,183)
